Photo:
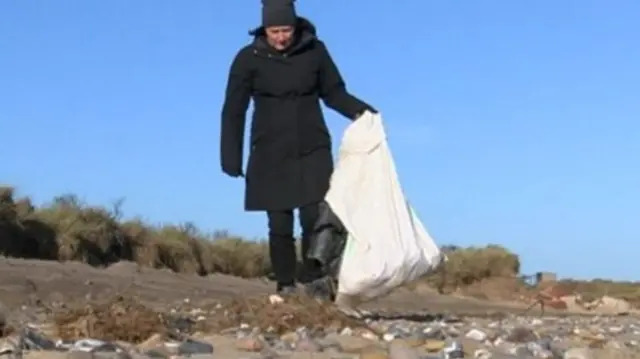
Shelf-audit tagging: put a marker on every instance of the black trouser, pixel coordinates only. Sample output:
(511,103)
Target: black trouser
(282,248)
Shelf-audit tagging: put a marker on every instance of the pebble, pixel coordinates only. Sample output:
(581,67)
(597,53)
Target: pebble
(434,346)
(308,345)
(250,344)
(350,344)
(578,353)
(521,335)
(477,335)
(97,355)
(191,347)
(155,342)
(374,353)
(382,338)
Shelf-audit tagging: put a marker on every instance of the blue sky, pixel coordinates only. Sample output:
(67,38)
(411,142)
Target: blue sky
(511,122)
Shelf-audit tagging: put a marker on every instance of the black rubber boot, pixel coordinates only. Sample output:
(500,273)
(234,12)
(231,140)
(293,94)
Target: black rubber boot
(287,290)
(323,289)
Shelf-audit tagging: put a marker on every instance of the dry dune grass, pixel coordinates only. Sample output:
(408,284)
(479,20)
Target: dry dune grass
(123,318)
(68,230)
(120,318)
(293,313)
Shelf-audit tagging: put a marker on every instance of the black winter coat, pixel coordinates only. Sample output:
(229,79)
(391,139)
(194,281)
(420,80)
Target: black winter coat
(290,160)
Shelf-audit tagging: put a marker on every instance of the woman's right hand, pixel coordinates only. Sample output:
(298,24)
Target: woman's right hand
(235,173)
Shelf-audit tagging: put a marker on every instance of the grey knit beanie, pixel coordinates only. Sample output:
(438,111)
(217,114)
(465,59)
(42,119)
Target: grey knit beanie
(278,13)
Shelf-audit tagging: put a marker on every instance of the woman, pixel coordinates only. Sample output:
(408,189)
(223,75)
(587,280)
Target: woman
(286,70)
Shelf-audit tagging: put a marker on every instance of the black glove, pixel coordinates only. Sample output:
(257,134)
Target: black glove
(234,173)
(368,108)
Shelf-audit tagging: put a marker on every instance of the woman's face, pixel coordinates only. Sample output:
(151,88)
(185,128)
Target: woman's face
(279,37)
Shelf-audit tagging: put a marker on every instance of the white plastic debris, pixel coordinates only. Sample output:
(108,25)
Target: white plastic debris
(275,299)
(87,345)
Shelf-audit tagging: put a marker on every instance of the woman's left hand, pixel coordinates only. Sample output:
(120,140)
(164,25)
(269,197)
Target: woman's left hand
(369,108)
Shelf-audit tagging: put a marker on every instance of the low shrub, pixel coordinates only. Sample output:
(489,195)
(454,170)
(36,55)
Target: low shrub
(467,266)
